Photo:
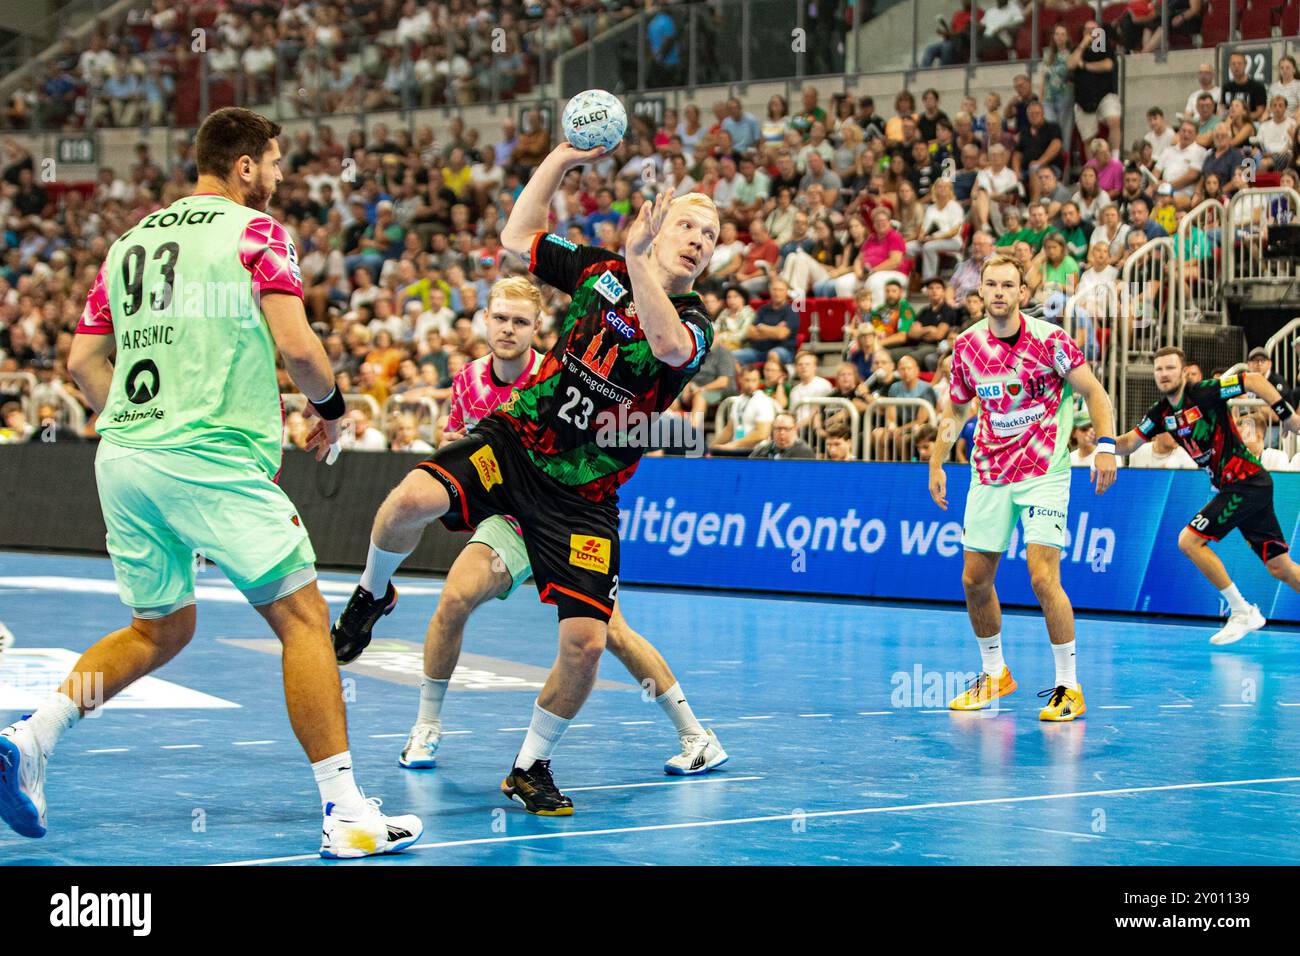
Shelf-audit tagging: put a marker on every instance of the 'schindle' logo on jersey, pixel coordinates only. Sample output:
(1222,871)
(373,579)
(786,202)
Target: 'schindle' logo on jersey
(485,463)
(609,288)
(588,553)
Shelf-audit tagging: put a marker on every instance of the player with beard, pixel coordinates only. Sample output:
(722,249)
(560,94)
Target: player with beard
(556,453)
(1198,417)
(495,562)
(196,299)
(1024,371)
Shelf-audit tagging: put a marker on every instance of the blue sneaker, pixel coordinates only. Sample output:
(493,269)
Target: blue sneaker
(22,780)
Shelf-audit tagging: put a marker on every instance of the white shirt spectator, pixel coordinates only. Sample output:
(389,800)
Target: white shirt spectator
(750,411)
(724,252)
(1159,143)
(1002,22)
(1289,91)
(1091,210)
(1276,137)
(1175,162)
(1114,246)
(1189,111)
(1146,457)
(995,184)
(440,319)
(817,388)
(1090,279)
(371,440)
(414,29)
(724,192)
(947,219)
(1274,459)
(258,60)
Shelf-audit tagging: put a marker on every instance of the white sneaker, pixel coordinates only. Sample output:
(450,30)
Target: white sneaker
(22,780)
(370,834)
(421,747)
(700,754)
(1240,623)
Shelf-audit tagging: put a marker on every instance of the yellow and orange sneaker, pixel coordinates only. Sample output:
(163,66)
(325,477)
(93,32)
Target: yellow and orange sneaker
(983,690)
(1063,703)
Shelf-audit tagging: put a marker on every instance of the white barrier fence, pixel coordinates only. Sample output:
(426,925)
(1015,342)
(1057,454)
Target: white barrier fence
(823,413)
(1250,214)
(889,431)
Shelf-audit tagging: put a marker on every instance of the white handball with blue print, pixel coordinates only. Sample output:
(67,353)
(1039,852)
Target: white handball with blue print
(594,118)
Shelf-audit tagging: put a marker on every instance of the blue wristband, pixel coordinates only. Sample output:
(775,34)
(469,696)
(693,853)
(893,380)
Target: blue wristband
(1106,445)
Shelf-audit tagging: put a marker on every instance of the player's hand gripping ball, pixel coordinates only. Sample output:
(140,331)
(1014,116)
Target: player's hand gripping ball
(594,118)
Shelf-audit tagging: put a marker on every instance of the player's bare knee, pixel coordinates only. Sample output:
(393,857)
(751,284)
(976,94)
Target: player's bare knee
(415,502)
(1189,543)
(455,605)
(1282,568)
(1044,581)
(169,634)
(585,647)
(976,584)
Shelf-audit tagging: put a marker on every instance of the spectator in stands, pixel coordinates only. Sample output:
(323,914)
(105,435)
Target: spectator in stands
(1207,118)
(1261,363)
(1096,90)
(997,188)
(785,442)
(1057,87)
(1140,221)
(1110,171)
(1136,25)
(998,27)
(775,328)
(966,277)
(891,319)
(1111,233)
(1161,452)
(1181,165)
(839,444)
(1159,135)
(1184,24)
(712,383)
(16,428)
(1083,442)
(1287,84)
(1051,193)
(1240,125)
(895,440)
(1277,136)
(1038,144)
(733,322)
(941,229)
(808,384)
(1076,231)
(1225,161)
(1241,86)
(1204,85)
(929,331)
(751,417)
(406,436)
(953,45)
(743,127)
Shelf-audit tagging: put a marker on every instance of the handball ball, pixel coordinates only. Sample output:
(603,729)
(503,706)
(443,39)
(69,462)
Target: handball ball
(594,118)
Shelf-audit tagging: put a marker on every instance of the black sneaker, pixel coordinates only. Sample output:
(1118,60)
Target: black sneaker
(536,790)
(351,632)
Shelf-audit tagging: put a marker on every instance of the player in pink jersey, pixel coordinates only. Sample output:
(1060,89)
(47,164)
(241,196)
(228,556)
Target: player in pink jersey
(1024,371)
(495,562)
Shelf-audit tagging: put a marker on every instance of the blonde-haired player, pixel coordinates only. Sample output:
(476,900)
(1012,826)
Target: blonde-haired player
(495,562)
(633,336)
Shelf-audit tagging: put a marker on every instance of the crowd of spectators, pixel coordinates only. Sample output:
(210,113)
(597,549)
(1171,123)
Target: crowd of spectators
(891,213)
(302,57)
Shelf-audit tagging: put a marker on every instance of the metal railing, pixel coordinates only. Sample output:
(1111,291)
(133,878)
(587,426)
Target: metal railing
(19,387)
(882,441)
(1092,319)
(72,415)
(424,410)
(1200,267)
(1250,214)
(825,410)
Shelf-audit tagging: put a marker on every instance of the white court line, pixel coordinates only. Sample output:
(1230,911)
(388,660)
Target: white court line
(1069,833)
(181,746)
(874,713)
(580,726)
(1114,706)
(379,736)
(635,723)
(253,743)
(109,750)
(664,783)
(1175,706)
(816,715)
(448,733)
(768,717)
(504,730)
(905,808)
(1283,704)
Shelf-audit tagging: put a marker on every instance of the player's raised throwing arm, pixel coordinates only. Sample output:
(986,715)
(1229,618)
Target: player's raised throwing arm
(1083,381)
(1260,386)
(528,217)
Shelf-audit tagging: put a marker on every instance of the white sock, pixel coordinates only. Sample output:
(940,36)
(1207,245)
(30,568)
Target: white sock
(1235,601)
(380,567)
(673,701)
(1064,654)
(52,719)
(334,778)
(431,694)
(544,733)
(991,654)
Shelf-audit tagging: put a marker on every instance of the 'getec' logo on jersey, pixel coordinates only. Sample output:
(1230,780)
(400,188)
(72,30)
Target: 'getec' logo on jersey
(485,463)
(609,288)
(588,553)
(989,392)
(620,325)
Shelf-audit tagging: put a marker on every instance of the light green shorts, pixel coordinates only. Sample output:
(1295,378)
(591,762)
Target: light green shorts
(170,510)
(992,511)
(500,535)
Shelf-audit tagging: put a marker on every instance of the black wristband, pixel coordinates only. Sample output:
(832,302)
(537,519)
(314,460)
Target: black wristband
(1282,409)
(331,407)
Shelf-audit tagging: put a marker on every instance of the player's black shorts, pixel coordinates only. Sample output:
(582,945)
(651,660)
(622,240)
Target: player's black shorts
(572,542)
(1246,505)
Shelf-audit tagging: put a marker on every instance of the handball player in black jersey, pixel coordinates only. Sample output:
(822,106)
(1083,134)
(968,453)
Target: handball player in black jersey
(554,455)
(1199,419)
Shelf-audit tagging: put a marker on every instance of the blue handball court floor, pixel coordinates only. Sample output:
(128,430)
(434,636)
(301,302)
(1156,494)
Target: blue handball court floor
(832,712)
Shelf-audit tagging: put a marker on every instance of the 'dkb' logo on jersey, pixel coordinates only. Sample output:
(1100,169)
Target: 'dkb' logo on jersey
(142,382)
(609,288)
